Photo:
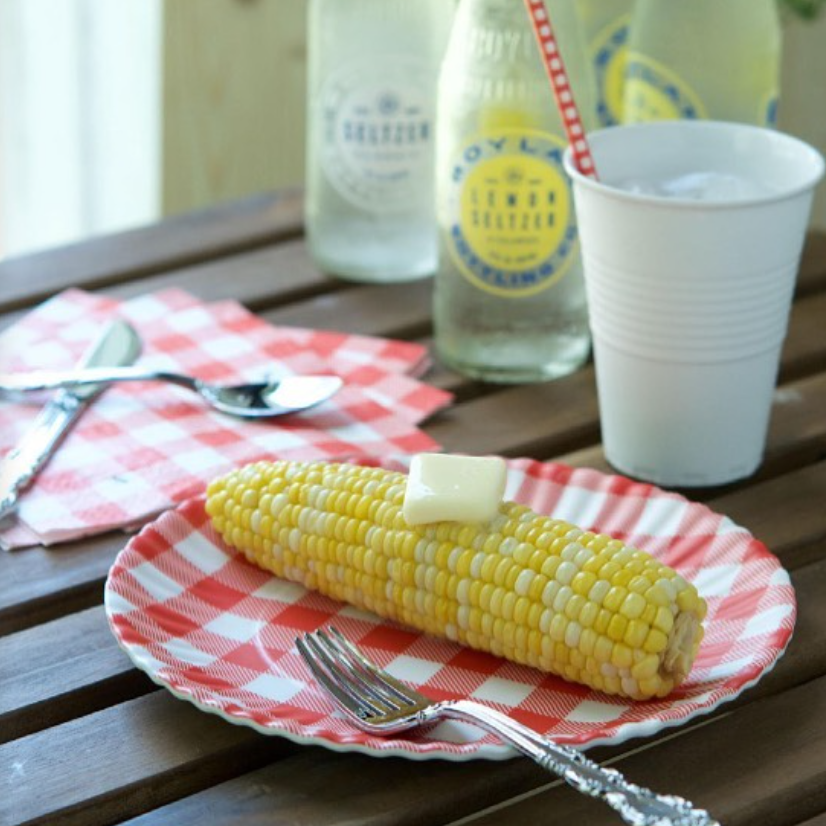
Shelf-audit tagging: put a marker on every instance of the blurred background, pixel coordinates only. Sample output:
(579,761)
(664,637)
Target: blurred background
(115,114)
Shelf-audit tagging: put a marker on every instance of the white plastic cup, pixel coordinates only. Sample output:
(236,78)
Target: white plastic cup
(689,300)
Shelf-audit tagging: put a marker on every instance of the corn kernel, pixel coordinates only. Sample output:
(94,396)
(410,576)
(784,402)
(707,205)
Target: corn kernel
(616,627)
(587,641)
(664,620)
(614,598)
(588,614)
(603,649)
(583,582)
(656,642)
(633,606)
(622,656)
(636,633)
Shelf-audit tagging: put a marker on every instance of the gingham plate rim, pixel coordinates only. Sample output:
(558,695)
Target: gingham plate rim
(431,750)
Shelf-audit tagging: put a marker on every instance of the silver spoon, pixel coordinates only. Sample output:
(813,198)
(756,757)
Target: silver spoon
(261,400)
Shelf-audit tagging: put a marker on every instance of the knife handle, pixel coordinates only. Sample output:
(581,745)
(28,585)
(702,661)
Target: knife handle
(24,461)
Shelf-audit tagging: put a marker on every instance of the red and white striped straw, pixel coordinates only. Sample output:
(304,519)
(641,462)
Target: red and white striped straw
(552,59)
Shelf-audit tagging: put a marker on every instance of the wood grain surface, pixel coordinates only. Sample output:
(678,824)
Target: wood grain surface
(86,739)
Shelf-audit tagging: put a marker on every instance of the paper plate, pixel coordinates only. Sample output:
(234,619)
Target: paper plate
(219,632)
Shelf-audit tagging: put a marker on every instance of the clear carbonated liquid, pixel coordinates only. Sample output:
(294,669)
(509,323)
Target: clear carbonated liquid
(717,59)
(372,71)
(512,340)
(509,300)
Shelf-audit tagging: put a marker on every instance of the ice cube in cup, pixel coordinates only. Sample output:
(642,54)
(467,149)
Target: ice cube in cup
(701,185)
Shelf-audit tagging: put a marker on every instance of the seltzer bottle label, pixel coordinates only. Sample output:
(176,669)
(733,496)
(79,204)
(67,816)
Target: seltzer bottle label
(609,51)
(512,228)
(655,92)
(377,134)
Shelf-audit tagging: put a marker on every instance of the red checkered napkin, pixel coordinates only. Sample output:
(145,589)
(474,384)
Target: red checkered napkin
(142,448)
(219,632)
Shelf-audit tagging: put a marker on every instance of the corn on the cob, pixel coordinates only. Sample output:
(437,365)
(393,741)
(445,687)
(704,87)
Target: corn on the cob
(530,588)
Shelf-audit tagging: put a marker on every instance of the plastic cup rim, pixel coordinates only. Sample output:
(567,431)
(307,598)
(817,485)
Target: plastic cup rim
(692,204)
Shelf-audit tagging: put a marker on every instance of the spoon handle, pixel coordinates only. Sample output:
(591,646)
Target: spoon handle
(53,379)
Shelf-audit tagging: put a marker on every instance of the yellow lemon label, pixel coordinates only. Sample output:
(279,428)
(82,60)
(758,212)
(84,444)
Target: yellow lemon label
(512,231)
(654,92)
(609,52)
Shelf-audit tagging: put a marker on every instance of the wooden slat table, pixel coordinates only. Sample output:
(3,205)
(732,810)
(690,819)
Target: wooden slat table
(87,740)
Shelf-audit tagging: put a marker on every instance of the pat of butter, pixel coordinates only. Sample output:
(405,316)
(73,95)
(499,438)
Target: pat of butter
(442,487)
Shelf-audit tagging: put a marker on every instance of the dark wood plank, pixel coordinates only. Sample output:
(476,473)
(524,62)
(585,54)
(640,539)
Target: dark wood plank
(175,755)
(805,658)
(63,669)
(527,420)
(324,788)
(562,416)
(125,760)
(265,277)
(780,513)
(176,242)
(403,311)
(812,275)
(399,311)
(804,351)
(796,432)
(763,764)
(40,584)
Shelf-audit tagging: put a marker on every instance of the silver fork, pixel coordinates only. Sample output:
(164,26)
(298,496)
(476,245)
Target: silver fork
(378,703)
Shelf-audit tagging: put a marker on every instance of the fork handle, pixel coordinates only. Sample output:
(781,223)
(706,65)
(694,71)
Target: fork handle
(636,805)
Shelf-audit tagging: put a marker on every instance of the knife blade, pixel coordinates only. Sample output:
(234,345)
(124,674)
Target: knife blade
(117,345)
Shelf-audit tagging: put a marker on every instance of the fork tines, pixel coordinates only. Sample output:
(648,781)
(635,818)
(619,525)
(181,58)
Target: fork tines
(362,689)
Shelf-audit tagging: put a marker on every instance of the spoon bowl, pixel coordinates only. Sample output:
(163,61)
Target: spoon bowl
(261,400)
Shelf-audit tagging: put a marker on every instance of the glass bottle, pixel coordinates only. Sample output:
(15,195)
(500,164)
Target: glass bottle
(509,297)
(372,72)
(605,24)
(716,59)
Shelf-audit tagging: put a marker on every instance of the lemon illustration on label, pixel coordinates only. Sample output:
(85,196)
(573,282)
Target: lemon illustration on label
(609,50)
(654,92)
(512,229)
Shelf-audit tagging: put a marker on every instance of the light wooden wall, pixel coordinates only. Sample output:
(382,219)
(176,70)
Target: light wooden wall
(234,82)
(233,99)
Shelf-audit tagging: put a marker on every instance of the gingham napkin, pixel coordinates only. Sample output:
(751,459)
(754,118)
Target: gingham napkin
(142,448)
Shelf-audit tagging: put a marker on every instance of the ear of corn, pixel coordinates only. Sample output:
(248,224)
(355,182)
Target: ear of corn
(533,589)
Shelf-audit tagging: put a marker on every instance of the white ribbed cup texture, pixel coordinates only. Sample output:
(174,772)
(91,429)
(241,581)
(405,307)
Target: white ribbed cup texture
(689,301)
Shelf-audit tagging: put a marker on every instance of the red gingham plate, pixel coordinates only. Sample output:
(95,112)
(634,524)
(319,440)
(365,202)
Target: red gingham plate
(219,632)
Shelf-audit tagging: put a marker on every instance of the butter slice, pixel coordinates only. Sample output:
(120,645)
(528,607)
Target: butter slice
(444,487)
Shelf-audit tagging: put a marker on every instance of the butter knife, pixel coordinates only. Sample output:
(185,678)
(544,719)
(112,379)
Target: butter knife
(117,345)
